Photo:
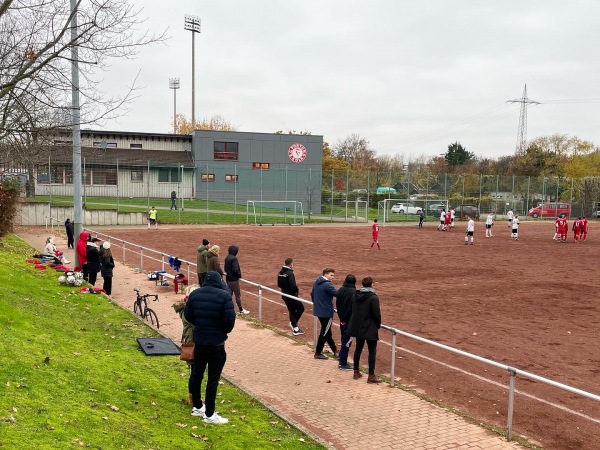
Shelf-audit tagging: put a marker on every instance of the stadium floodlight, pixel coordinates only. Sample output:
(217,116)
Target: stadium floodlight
(192,23)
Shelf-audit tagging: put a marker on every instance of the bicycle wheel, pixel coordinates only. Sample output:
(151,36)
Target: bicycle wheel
(152,317)
(137,309)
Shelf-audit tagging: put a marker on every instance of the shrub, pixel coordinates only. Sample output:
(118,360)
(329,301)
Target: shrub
(9,196)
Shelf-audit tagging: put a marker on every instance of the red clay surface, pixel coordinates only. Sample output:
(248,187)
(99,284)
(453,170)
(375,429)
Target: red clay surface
(531,304)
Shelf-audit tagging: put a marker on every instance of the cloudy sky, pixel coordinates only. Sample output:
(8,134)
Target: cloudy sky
(410,77)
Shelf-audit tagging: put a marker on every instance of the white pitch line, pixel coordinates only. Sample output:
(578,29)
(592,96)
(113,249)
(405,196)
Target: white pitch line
(474,375)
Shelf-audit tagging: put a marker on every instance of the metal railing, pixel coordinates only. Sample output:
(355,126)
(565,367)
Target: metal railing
(51,220)
(512,371)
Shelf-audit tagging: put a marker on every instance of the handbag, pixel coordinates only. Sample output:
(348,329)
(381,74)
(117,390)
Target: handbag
(187,352)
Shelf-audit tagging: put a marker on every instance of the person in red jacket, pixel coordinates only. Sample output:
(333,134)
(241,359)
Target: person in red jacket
(584,228)
(576,229)
(81,249)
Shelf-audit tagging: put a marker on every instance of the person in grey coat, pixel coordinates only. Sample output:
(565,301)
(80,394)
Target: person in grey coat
(364,326)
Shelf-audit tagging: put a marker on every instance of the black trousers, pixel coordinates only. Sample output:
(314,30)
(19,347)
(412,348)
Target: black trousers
(92,277)
(214,357)
(234,290)
(325,335)
(201,277)
(295,310)
(372,346)
(107,286)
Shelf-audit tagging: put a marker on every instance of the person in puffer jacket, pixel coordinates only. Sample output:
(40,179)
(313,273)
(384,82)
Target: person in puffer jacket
(210,310)
(364,326)
(81,250)
(322,297)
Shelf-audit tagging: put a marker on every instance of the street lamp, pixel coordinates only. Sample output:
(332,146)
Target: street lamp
(174,84)
(192,23)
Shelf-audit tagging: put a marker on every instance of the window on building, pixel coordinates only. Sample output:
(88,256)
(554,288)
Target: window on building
(137,176)
(57,175)
(207,177)
(42,175)
(135,145)
(261,166)
(104,144)
(168,175)
(231,178)
(99,176)
(226,150)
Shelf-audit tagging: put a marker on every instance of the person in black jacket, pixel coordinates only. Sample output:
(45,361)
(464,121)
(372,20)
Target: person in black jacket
(69,230)
(233,273)
(343,304)
(286,281)
(92,254)
(364,326)
(107,265)
(210,310)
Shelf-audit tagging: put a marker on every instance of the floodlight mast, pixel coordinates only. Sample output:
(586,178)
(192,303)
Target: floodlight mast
(192,23)
(174,84)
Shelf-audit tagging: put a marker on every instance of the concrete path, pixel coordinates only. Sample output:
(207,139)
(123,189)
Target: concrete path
(313,394)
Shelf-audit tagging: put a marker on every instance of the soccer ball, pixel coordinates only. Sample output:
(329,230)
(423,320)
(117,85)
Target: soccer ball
(71,280)
(62,279)
(78,281)
(78,276)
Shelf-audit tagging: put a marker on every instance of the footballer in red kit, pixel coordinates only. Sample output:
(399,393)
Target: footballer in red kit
(375,228)
(561,227)
(576,229)
(584,228)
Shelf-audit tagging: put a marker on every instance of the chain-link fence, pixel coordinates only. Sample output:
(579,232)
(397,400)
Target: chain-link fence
(345,196)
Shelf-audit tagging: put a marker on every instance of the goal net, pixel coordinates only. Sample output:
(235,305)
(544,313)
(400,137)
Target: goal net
(357,210)
(271,212)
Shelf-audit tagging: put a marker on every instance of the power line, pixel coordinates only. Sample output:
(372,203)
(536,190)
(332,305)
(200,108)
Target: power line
(522,132)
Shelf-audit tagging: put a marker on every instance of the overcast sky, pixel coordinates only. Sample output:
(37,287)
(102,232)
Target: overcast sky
(410,77)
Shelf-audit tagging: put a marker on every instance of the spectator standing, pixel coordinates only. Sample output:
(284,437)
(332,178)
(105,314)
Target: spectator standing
(152,217)
(187,335)
(322,294)
(286,281)
(375,228)
(107,264)
(173,200)
(201,260)
(81,250)
(515,227)
(489,223)
(212,260)
(470,230)
(364,326)
(343,304)
(93,260)
(210,310)
(69,230)
(421,217)
(233,273)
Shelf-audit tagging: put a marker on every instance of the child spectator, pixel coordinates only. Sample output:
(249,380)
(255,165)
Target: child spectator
(107,265)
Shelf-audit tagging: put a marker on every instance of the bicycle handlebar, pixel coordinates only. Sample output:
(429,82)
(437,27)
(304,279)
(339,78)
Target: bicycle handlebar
(137,290)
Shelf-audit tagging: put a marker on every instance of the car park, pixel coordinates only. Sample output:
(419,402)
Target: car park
(405,208)
(463,211)
(435,208)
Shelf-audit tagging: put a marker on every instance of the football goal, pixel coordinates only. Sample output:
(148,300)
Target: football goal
(357,210)
(273,212)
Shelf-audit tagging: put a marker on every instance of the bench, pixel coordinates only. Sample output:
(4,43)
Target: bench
(162,277)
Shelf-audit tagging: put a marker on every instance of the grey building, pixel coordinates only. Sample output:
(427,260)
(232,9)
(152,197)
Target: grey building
(241,166)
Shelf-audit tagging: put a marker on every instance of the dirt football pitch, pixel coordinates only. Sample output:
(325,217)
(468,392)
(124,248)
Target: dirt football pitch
(531,304)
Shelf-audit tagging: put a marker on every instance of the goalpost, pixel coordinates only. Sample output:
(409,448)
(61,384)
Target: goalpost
(292,214)
(356,208)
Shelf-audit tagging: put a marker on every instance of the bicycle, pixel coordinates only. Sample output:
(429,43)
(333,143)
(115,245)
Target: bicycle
(140,307)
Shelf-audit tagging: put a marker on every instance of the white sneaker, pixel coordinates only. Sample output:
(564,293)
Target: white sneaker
(66,262)
(199,412)
(216,419)
(244,312)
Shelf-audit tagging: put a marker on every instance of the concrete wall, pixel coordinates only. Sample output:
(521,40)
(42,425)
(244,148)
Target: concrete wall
(34,214)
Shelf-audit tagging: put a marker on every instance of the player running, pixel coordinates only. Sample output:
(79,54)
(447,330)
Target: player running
(515,228)
(375,228)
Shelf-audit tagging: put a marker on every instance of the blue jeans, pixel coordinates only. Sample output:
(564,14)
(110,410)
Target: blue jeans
(346,343)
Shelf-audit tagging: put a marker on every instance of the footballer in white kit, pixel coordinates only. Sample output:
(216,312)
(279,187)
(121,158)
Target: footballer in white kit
(470,230)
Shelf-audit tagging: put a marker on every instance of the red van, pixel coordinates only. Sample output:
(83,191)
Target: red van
(550,209)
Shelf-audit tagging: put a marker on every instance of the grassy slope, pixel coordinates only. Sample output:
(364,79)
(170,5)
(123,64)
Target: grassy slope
(72,375)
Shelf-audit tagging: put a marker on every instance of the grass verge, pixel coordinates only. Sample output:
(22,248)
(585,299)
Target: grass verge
(73,376)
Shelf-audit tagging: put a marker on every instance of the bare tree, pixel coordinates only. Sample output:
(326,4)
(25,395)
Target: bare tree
(35,57)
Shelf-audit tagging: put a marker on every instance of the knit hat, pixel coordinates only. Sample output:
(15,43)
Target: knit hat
(205,242)
(106,245)
(214,250)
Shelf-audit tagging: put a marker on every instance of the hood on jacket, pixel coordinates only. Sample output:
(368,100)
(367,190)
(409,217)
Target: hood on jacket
(322,280)
(214,279)
(364,293)
(233,250)
(83,236)
(214,250)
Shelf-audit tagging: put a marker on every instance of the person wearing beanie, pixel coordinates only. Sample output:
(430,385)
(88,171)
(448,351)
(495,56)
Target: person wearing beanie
(201,260)
(212,260)
(233,273)
(107,265)
(343,304)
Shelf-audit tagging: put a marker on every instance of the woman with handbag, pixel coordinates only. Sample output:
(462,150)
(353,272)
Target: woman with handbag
(187,337)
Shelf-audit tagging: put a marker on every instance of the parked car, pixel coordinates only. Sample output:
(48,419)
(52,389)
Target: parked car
(596,214)
(466,210)
(435,208)
(406,208)
(359,191)
(550,209)
(386,190)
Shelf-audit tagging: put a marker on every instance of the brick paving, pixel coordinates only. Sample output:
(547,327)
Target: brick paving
(313,394)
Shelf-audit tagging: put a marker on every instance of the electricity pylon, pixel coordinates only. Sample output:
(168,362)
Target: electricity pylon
(522,133)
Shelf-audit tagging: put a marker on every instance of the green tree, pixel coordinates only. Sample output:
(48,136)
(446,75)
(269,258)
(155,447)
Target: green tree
(330,162)
(457,155)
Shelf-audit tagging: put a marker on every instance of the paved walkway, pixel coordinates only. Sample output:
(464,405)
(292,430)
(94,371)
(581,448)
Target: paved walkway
(313,394)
